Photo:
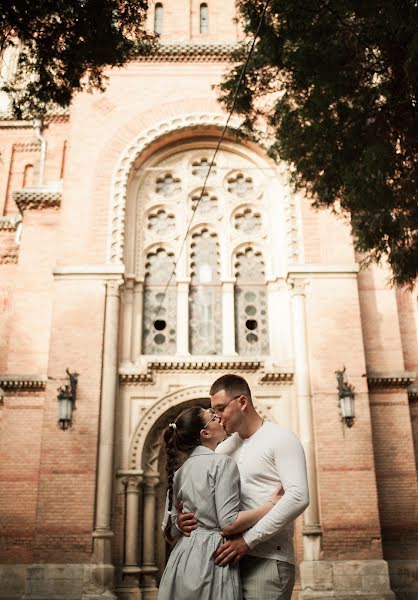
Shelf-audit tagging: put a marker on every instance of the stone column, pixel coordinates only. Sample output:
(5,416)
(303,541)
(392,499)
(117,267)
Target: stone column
(137,319)
(279,318)
(149,568)
(183,316)
(133,488)
(102,532)
(128,588)
(228,317)
(312,529)
(128,296)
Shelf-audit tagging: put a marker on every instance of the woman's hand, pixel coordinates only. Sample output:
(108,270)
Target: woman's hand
(277,494)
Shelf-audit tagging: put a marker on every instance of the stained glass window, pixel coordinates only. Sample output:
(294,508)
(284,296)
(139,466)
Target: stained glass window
(159,332)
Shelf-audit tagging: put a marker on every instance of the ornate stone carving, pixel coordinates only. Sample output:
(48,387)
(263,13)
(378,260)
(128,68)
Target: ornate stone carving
(200,168)
(132,483)
(249,266)
(390,379)
(247,221)
(120,180)
(167,185)
(37,199)
(10,223)
(153,414)
(190,52)
(205,203)
(23,382)
(240,185)
(160,222)
(274,377)
(132,378)
(27,147)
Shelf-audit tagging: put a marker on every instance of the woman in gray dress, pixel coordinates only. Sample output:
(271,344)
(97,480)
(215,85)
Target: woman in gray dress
(208,485)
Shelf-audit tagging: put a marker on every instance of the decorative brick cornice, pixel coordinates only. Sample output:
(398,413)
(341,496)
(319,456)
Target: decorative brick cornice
(37,199)
(413,394)
(56,114)
(27,147)
(23,382)
(245,366)
(10,223)
(190,52)
(9,257)
(207,365)
(276,377)
(134,378)
(390,379)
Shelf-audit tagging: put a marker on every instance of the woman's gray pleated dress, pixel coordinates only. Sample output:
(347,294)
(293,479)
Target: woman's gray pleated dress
(208,484)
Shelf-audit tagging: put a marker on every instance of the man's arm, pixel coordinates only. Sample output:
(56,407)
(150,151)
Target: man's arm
(290,462)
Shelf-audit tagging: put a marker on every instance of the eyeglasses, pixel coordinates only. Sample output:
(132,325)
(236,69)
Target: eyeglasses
(214,417)
(221,407)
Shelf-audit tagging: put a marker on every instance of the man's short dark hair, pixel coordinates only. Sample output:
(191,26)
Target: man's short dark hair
(232,384)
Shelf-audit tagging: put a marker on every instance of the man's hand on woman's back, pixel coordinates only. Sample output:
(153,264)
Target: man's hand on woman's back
(186,522)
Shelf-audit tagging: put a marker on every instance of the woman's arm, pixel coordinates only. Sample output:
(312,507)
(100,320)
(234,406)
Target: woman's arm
(248,518)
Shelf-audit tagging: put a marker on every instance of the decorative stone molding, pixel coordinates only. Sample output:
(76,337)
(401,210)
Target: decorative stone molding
(121,175)
(190,52)
(89,272)
(27,147)
(413,394)
(153,414)
(275,377)
(246,366)
(23,382)
(132,378)
(323,270)
(9,258)
(135,378)
(390,379)
(37,199)
(10,223)
(211,365)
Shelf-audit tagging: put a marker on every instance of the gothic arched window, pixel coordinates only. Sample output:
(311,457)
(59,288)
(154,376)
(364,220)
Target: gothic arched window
(204,18)
(251,318)
(205,334)
(159,336)
(158,18)
(184,312)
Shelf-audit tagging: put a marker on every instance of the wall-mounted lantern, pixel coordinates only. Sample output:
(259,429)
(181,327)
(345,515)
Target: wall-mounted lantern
(346,399)
(66,401)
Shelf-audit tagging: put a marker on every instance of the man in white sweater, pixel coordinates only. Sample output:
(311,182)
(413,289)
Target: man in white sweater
(267,455)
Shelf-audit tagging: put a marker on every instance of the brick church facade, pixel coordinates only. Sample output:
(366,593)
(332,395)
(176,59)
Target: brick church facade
(95,203)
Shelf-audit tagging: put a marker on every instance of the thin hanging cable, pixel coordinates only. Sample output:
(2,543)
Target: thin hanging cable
(244,68)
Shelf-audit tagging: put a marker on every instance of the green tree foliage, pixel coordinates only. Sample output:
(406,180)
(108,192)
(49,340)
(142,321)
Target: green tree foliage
(66,45)
(334,83)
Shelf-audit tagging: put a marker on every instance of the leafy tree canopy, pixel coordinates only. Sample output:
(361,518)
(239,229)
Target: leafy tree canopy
(65,46)
(334,85)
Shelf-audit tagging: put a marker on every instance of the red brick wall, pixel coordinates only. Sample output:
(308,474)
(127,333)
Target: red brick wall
(391,419)
(346,472)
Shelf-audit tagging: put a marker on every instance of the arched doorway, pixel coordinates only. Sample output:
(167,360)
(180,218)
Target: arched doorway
(145,550)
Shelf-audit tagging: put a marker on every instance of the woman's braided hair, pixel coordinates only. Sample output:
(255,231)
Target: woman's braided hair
(180,438)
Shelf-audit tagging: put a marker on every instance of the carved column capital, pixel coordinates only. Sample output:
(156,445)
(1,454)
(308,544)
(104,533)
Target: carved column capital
(298,286)
(132,483)
(151,481)
(113,287)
